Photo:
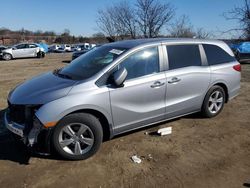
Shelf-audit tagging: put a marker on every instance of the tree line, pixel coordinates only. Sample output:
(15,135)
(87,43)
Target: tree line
(10,37)
(145,19)
(151,18)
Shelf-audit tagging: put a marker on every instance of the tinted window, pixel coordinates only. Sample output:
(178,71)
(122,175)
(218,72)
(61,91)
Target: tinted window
(142,63)
(216,55)
(32,46)
(183,56)
(21,46)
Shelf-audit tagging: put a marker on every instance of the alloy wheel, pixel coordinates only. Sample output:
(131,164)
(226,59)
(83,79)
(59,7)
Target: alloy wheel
(76,139)
(215,102)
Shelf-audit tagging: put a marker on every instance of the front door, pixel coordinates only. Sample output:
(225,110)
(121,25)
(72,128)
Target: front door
(141,100)
(19,51)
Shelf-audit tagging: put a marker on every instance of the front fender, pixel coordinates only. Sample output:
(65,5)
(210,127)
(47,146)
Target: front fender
(54,111)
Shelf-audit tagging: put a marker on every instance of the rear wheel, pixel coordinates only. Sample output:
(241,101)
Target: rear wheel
(7,57)
(40,54)
(214,102)
(77,136)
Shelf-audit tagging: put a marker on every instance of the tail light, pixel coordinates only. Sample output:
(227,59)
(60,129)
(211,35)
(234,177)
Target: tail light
(237,67)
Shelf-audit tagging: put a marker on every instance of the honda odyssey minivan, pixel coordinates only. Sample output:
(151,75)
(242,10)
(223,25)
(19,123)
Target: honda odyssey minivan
(120,87)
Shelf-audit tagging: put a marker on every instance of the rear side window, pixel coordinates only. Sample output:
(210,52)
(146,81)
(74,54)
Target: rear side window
(216,55)
(32,46)
(183,56)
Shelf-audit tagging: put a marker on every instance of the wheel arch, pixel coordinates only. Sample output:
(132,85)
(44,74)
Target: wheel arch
(225,88)
(106,125)
(7,53)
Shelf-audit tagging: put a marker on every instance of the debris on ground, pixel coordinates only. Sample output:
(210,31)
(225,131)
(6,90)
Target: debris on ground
(150,156)
(165,131)
(136,159)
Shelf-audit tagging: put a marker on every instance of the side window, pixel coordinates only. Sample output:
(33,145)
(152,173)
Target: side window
(216,55)
(32,46)
(183,56)
(20,46)
(142,63)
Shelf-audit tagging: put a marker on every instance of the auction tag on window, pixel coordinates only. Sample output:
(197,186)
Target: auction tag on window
(115,51)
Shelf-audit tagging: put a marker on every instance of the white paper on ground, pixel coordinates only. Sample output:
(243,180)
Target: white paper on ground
(136,159)
(165,131)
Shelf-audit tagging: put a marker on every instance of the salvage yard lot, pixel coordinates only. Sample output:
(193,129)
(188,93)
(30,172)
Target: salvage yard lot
(199,152)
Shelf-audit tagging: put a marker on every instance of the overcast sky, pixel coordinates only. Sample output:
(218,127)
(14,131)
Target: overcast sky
(79,16)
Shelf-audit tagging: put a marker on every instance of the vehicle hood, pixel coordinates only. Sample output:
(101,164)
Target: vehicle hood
(41,89)
(7,50)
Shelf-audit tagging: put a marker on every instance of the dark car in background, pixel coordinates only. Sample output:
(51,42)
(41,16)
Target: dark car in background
(83,51)
(79,53)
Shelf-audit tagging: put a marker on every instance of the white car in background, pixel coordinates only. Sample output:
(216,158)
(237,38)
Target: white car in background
(23,50)
(54,47)
(66,47)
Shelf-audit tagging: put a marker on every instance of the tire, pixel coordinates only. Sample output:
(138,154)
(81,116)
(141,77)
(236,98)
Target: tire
(39,54)
(42,54)
(77,136)
(214,102)
(7,57)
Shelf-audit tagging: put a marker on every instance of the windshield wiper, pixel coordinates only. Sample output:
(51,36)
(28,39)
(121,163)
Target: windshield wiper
(57,72)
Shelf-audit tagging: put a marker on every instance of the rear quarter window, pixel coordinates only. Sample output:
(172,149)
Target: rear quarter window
(216,55)
(180,56)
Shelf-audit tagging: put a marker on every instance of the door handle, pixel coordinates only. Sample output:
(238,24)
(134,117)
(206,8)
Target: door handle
(157,84)
(174,80)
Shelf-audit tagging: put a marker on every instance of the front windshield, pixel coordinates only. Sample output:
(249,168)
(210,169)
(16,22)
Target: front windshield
(92,62)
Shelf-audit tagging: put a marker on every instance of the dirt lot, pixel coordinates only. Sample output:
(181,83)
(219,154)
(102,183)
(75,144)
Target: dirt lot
(199,153)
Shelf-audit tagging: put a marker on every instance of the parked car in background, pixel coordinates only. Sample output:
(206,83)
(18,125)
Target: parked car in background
(45,47)
(242,51)
(120,87)
(79,53)
(66,47)
(54,47)
(1,49)
(23,50)
(76,54)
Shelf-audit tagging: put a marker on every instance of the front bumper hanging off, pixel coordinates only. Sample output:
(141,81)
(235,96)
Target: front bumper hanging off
(29,137)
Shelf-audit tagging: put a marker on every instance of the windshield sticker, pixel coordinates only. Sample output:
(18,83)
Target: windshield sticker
(115,51)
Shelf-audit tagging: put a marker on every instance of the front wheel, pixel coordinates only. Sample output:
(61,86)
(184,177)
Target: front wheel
(7,57)
(77,136)
(213,102)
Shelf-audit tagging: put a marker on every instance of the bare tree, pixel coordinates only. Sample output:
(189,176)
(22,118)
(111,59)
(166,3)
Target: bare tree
(123,20)
(125,16)
(117,20)
(152,16)
(182,28)
(203,34)
(242,15)
(106,22)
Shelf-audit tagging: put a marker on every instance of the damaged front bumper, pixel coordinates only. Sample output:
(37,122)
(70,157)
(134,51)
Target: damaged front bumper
(29,137)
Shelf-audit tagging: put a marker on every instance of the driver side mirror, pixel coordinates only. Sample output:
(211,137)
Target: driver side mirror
(119,76)
(14,48)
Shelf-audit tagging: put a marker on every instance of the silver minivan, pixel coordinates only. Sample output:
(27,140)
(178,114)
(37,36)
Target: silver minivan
(120,87)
